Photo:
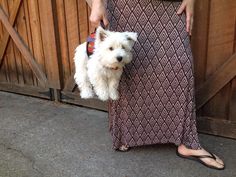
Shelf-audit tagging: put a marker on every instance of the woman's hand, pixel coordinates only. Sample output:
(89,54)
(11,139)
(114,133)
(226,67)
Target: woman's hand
(98,13)
(188,7)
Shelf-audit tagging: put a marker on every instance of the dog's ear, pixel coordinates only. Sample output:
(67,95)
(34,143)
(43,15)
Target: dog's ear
(131,36)
(101,34)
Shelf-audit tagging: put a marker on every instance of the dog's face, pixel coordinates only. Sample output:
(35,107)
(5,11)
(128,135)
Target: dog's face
(114,48)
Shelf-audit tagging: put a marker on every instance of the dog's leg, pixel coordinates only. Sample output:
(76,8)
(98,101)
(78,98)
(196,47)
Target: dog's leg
(98,79)
(101,89)
(81,75)
(113,88)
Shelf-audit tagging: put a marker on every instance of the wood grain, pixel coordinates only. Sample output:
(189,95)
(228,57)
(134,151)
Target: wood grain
(5,38)
(22,47)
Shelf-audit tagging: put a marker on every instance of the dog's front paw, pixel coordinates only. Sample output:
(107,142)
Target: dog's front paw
(86,94)
(114,95)
(103,95)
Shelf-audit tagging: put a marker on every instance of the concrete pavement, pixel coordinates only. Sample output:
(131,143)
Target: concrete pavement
(40,138)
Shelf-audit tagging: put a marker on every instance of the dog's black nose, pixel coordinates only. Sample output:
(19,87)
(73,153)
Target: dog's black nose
(119,58)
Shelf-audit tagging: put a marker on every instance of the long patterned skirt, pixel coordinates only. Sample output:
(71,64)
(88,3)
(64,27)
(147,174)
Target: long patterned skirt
(156,102)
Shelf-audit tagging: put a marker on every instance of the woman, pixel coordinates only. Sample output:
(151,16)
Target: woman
(156,102)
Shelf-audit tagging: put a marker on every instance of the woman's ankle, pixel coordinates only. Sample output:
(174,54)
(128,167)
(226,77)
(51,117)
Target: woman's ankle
(182,149)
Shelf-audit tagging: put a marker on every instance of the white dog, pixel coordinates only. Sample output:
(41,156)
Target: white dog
(101,72)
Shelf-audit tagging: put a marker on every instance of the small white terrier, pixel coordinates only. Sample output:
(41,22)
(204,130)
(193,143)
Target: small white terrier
(101,72)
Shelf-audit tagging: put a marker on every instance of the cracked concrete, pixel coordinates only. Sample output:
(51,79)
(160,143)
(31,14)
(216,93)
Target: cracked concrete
(14,163)
(39,138)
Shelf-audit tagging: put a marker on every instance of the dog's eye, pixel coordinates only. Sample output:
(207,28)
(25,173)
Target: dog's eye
(111,48)
(123,47)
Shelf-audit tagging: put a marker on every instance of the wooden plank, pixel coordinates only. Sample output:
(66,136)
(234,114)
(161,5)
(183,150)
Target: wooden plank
(2,66)
(36,38)
(4,5)
(62,32)
(22,89)
(70,83)
(49,43)
(24,50)
(217,126)
(18,61)
(1,26)
(4,71)
(6,65)
(10,57)
(216,82)
(18,58)
(73,98)
(3,74)
(83,21)
(199,39)
(221,33)
(72,29)
(6,36)
(232,102)
(26,34)
(10,53)
(232,94)
(217,106)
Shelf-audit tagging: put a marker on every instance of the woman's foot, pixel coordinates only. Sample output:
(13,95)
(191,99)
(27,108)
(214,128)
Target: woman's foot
(201,155)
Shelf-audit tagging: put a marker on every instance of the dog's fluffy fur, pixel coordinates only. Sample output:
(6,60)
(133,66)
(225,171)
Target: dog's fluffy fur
(101,72)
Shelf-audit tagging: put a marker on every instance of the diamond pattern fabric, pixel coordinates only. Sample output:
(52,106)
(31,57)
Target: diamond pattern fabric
(156,102)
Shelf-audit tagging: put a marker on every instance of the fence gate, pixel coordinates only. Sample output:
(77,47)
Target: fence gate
(28,59)
(214,48)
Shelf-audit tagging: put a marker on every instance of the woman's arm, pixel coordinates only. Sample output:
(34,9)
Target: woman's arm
(98,13)
(188,7)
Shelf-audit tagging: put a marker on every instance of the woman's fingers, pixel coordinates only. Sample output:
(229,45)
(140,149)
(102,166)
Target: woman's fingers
(187,6)
(105,20)
(94,21)
(188,22)
(98,13)
(191,26)
(181,8)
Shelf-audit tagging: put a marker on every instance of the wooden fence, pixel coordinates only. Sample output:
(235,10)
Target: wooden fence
(38,38)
